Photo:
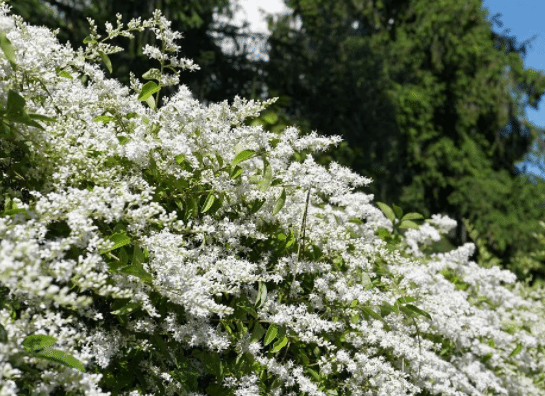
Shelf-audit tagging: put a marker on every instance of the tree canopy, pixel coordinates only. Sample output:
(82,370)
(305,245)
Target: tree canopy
(421,91)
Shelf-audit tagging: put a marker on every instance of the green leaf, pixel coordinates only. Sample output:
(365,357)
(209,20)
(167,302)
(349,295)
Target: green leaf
(148,89)
(355,319)
(151,102)
(64,73)
(89,40)
(355,220)
(242,156)
(405,300)
(220,160)
(398,211)
(104,118)
(119,239)
(138,256)
(236,173)
(208,203)
(54,355)
(272,331)
(412,310)
(267,176)
(388,212)
(370,312)
(16,103)
(413,216)
(123,140)
(3,334)
(291,239)
(40,117)
(279,204)
(314,373)
(408,224)
(106,61)
(256,205)
(38,341)
(516,351)
(179,158)
(9,52)
(270,118)
(261,295)
(136,270)
(127,309)
(152,74)
(278,345)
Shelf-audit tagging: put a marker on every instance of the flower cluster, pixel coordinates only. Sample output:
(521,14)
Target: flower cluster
(177,251)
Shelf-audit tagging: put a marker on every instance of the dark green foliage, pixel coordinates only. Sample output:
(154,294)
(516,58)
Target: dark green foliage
(421,92)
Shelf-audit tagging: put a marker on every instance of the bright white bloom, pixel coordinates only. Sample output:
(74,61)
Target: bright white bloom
(145,242)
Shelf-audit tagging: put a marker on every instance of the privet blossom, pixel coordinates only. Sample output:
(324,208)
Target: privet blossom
(174,250)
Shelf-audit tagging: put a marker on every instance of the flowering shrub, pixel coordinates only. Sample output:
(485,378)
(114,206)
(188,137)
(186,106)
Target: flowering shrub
(171,250)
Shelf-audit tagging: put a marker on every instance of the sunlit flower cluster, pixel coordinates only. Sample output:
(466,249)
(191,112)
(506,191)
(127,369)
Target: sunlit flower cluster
(279,265)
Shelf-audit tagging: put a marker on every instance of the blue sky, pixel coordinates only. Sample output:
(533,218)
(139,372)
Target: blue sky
(524,18)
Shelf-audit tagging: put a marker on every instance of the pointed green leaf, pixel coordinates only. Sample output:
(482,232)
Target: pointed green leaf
(355,220)
(315,374)
(9,52)
(516,351)
(40,117)
(148,89)
(104,118)
(412,310)
(256,205)
(123,256)
(291,239)
(279,204)
(398,211)
(408,224)
(405,300)
(65,74)
(136,270)
(106,61)
(151,102)
(242,156)
(3,331)
(257,332)
(54,355)
(272,331)
(179,204)
(179,158)
(119,239)
(16,103)
(236,173)
(261,295)
(267,176)
(127,309)
(152,74)
(123,140)
(369,311)
(413,216)
(278,345)
(137,256)
(38,341)
(88,40)
(220,160)
(208,203)
(388,212)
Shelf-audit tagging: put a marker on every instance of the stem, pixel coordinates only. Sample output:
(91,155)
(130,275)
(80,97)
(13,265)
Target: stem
(303,228)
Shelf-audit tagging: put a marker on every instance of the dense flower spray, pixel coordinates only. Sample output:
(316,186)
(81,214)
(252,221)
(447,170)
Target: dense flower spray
(172,250)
